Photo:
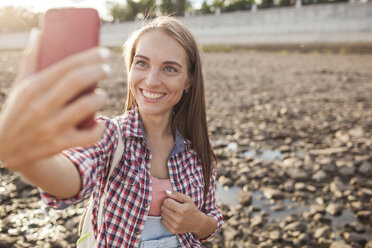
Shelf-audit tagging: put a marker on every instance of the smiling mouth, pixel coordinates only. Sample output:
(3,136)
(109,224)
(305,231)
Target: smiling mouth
(152,95)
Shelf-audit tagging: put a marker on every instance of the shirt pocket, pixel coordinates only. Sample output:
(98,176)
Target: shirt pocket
(128,174)
(195,190)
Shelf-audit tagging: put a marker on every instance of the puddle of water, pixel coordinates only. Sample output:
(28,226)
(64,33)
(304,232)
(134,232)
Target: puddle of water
(229,196)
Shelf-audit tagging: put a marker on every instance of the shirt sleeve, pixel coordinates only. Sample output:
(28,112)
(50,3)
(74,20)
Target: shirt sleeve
(87,160)
(210,205)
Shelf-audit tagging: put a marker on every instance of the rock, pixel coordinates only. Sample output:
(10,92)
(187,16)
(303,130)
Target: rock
(334,209)
(322,232)
(296,226)
(7,242)
(321,218)
(271,193)
(354,238)
(278,208)
(355,227)
(300,186)
(292,162)
(364,216)
(337,187)
(233,147)
(297,174)
(230,233)
(21,184)
(275,235)
(257,221)
(339,244)
(245,198)
(301,239)
(329,151)
(225,181)
(347,171)
(365,169)
(319,176)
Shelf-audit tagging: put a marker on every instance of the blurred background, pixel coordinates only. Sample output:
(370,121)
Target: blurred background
(288,88)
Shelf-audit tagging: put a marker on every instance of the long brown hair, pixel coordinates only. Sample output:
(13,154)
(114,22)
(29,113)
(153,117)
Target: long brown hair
(190,112)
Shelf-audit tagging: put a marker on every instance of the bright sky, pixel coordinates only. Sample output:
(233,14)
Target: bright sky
(42,5)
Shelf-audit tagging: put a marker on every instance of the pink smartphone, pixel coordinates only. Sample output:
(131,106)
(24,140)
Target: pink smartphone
(67,31)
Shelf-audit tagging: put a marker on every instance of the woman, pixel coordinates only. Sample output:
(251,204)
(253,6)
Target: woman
(166,148)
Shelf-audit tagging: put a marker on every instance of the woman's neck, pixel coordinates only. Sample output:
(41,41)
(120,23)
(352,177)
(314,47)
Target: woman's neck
(156,126)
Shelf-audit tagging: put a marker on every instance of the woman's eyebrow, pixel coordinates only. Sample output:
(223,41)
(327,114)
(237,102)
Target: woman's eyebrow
(168,62)
(141,56)
(173,63)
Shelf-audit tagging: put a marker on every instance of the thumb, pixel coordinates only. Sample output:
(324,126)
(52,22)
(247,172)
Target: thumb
(30,58)
(177,196)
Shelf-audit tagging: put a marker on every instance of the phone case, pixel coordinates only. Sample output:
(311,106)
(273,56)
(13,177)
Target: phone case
(67,31)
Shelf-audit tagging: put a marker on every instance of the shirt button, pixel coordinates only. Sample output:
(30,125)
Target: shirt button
(147,157)
(146,205)
(138,232)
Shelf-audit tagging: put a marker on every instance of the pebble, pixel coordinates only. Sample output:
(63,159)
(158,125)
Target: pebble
(334,209)
(245,198)
(322,232)
(298,135)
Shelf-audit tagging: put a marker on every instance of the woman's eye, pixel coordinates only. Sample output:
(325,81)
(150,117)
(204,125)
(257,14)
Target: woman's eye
(170,69)
(140,63)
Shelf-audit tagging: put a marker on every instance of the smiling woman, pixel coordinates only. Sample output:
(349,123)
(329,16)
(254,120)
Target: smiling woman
(159,76)
(150,172)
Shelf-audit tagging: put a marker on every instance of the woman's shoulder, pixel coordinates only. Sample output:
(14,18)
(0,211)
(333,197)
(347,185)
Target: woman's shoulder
(129,123)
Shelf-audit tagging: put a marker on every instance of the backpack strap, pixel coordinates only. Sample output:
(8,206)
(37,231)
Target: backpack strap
(85,225)
(117,157)
(118,154)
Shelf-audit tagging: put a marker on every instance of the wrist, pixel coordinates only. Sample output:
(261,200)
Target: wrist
(199,224)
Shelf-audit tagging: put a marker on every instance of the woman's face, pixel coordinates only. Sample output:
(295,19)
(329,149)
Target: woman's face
(159,73)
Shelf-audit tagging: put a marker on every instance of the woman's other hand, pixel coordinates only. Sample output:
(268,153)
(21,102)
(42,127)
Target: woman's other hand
(38,118)
(180,215)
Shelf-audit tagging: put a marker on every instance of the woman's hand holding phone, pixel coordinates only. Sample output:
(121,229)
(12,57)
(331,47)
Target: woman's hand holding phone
(39,118)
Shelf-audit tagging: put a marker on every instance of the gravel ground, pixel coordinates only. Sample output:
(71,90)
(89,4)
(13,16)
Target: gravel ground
(292,133)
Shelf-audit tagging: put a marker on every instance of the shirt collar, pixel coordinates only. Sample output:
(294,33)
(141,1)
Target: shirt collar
(133,128)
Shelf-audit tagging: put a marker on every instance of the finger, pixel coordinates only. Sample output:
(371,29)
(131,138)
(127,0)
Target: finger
(72,139)
(30,58)
(168,213)
(177,196)
(168,225)
(48,131)
(53,73)
(172,205)
(75,83)
(37,84)
(78,110)
(82,137)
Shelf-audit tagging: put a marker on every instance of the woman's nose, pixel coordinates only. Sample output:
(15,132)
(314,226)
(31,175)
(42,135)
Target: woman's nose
(152,78)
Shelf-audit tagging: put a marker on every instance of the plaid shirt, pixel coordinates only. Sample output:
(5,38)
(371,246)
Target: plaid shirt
(129,191)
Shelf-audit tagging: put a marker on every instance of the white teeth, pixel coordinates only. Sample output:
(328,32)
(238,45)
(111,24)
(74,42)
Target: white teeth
(151,95)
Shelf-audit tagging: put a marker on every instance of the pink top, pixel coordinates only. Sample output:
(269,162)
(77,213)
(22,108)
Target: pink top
(158,194)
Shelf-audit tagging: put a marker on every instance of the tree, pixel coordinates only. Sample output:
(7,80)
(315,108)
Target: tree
(205,8)
(235,5)
(131,10)
(174,7)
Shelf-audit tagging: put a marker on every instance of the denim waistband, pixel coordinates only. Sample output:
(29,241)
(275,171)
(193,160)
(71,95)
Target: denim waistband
(155,235)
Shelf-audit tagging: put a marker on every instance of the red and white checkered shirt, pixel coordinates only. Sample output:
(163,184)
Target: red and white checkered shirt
(129,191)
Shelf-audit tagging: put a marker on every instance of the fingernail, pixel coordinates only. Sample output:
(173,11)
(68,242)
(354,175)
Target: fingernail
(104,53)
(168,192)
(33,36)
(106,68)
